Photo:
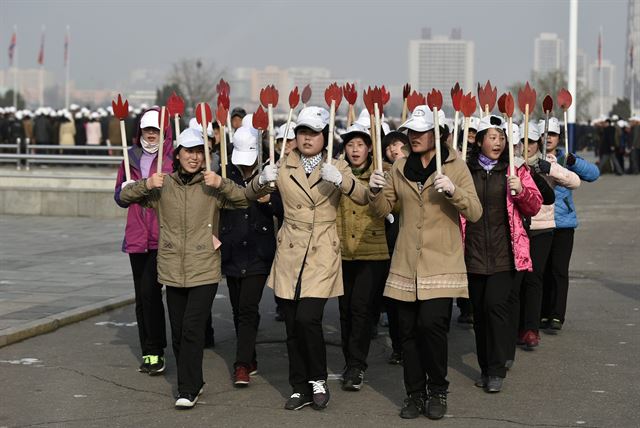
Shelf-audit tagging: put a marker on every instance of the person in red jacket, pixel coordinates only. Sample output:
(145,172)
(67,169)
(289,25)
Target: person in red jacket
(496,247)
(141,241)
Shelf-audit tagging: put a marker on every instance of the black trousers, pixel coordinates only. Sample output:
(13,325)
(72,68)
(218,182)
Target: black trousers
(464,305)
(149,307)
(493,321)
(514,305)
(245,294)
(189,309)
(531,288)
(305,341)
(363,286)
(556,275)
(394,328)
(424,325)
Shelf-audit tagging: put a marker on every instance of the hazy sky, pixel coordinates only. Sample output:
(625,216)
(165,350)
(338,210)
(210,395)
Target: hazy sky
(353,38)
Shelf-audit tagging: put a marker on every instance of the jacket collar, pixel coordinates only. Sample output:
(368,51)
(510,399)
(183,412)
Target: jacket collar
(298,175)
(453,155)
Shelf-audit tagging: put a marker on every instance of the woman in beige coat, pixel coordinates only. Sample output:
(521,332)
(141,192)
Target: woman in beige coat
(307,267)
(427,267)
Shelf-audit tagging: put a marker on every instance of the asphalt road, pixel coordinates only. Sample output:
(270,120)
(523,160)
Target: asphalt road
(84,375)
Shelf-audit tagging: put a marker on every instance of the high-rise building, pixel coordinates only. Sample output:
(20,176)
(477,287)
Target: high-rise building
(632,63)
(582,68)
(601,102)
(439,62)
(548,53)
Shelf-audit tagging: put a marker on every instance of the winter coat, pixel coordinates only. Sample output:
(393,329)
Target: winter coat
(188,215)
(526,204)
(557,176)
(67,132)
(94,133)
(362,235)
(141,229)
(42,130)
(248,236)
(564,209)
(308,257)
(428,258)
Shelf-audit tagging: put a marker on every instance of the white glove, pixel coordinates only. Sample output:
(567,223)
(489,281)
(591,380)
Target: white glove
(390,218)
(126,183)
(268,174)
(444,184)
(331,174)
(377,181)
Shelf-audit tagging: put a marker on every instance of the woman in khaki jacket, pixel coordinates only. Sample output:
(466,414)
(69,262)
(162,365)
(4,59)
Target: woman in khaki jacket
(365,263)
(188,204)
(306,270)
(427,267)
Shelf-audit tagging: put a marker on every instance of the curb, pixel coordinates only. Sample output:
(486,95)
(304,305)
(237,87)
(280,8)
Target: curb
(55,321)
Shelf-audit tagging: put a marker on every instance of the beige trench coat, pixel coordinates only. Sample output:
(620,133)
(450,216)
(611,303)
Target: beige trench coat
(428,259)
(308,246)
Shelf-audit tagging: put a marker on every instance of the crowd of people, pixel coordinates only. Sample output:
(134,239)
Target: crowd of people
(615,142)
(405,239)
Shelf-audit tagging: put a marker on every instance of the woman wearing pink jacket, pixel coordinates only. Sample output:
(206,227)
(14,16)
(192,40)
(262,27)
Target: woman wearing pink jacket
(496,247)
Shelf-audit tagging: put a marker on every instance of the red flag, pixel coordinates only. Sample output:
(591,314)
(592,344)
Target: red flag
(12,48)
(41,53)
(600,50)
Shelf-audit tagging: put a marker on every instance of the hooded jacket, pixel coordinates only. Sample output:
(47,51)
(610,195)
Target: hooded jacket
(565,211)
(141,229)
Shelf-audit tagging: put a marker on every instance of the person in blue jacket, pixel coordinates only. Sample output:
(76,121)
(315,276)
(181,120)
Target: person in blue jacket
(556,277)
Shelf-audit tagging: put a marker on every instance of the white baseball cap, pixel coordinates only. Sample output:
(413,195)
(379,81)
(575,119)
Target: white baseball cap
(515,132)
(316,118)
(364,119)
(474,122)
(356,130)
(554,126)
(281,130)
(534,132)
(190,137)
(421,120)
(489,122)
(150,119)
(245,147)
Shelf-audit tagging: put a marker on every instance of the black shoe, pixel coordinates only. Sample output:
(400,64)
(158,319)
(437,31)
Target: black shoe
(297,401)
(395,358)
(413,405)
(436,404)
(144,367)
(279,315)
(494,384)
(465,319)
(187,401)
(353,379)
(320,394)
(482,382)
(555,325)
(544,323)
(156,365)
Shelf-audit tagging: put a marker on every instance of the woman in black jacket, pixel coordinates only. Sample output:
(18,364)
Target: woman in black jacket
(248,249)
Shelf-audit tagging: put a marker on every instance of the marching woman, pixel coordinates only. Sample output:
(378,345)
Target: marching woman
(306,270)
(188,203)
(427,267)
(248,247)
(496,248)
(556,276)
(540,239)
(364,263)
(141,241)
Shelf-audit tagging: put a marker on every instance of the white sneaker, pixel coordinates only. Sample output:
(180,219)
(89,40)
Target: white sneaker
(187,401)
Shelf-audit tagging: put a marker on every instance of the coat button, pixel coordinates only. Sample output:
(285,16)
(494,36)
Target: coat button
(312,208)
(291,245)
(419,226)
(293,226)
(418,248)
(244,243)
(354,212)
(313,248)
(298,206)
(420,203)
(246,216)
(353,236)
(374,233)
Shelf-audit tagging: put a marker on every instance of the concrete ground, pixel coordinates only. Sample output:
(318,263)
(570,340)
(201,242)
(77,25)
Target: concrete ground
(85,375)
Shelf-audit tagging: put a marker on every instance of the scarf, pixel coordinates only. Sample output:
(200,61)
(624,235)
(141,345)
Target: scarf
(413,169)
(486,163)
(532,161)
(148,147)
(310,163)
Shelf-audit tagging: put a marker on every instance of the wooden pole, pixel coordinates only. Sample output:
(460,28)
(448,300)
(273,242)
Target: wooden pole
(404,110)
(223,151)
(163,112)
(436,123)
(566,137)
(526,135)
(272,141)
(332,118)
(286,132)
(378,140)
(465,137)
(455,131)
(207,155)
(125,151)
(512,170)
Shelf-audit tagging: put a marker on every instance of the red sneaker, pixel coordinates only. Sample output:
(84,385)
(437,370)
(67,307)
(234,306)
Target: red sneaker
(531,339)
(241,376)
(253,368)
